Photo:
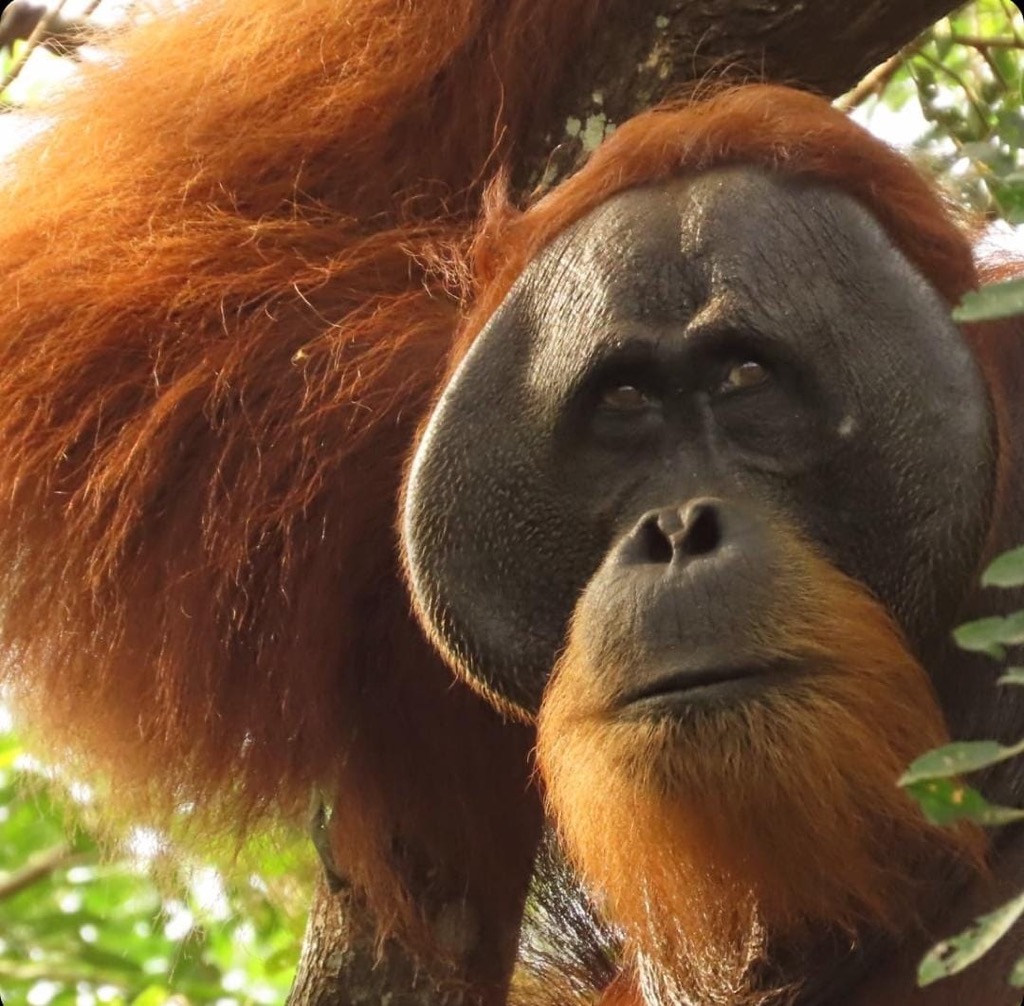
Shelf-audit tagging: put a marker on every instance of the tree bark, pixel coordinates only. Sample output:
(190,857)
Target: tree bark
(646,52)
(21,19)
(341,964)
(641,54)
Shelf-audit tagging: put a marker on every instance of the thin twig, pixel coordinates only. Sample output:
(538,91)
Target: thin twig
(997,73)
(39,868)
(38,33)
(875,81)
(981,42)
(47,972)
(965,87)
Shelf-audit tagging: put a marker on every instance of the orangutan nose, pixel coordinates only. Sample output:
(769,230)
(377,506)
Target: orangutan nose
(678,533)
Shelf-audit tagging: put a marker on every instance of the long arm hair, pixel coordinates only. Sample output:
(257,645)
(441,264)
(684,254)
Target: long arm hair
(229,271)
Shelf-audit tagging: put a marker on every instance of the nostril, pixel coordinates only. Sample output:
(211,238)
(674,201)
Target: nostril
(656,544)
(677,533)
(702,531)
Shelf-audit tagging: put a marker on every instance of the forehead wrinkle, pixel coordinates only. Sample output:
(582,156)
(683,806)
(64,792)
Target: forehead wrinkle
(621,264)
(728,249)
(722,309)
(780,249)
(569,295)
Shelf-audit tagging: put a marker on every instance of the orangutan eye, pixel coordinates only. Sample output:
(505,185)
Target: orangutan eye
(748,374)
(626,398)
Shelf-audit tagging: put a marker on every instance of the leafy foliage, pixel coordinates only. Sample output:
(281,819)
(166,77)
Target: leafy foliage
(933,779)
(966,77)
(79,928)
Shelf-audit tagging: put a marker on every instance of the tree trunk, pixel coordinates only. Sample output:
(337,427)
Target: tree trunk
(341,966)
(647,52)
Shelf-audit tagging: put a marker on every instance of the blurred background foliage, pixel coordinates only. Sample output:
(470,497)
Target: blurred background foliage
(953,98)
(147,925)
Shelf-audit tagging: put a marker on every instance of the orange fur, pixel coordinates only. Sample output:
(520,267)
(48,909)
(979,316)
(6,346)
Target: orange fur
(224,271)
(719,841)
(622,992)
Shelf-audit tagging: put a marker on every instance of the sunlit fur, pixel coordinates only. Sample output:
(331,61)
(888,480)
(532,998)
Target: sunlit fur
(228,271)
(732,837)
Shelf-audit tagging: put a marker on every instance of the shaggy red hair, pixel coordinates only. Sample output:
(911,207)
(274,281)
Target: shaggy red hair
(224,270)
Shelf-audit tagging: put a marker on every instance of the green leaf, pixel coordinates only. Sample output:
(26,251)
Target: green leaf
(946,801)
(1016,978)
(1012,676)
(990,635)
(981,636)
(1000,300)
(1007,570)
(958,952)
(958,758)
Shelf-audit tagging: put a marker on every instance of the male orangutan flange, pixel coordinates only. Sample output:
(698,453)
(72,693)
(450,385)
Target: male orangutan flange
(706,454)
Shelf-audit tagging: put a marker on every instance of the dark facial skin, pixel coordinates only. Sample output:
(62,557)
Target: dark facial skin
(738,345)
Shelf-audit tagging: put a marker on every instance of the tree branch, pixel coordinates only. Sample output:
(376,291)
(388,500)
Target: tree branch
(648,51)
(37,869)
(874,82)
(343,965)
(38,26)
(980,42)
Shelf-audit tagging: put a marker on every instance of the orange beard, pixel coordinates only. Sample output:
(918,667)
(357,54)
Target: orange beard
(722,839)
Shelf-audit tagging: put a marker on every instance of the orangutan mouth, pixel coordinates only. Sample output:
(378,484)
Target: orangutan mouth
(700,686)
